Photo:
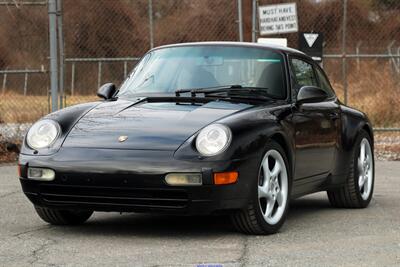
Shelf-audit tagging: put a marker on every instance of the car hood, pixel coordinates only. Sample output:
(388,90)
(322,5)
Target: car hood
(145,125)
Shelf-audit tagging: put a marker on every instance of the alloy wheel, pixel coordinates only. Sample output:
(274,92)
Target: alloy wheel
(365,169)
(273,187)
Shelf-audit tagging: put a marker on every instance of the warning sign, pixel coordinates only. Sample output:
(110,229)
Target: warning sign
(310,38)
(275,19)
(311,43)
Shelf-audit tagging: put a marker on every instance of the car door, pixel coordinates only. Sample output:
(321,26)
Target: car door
(315,126)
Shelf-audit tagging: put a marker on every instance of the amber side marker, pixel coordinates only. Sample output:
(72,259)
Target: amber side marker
(225,178)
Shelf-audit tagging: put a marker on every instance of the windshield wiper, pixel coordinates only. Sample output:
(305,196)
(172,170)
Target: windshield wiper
(207,89)
(236,91)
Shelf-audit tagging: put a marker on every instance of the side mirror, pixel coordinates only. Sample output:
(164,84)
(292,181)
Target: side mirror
(106,91)
(311,94)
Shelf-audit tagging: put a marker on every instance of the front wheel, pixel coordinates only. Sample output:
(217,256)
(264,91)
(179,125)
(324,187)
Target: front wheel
(266,211)
(358,189)
(63,217)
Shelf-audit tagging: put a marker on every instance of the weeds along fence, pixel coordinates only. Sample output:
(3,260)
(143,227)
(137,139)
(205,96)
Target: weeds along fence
(24,83)
(100,41)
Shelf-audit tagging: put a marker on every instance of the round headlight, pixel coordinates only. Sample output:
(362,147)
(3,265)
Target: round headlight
(213,139)
(43,134)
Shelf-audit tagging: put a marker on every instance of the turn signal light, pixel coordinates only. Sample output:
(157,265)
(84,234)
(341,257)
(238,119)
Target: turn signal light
(225,178)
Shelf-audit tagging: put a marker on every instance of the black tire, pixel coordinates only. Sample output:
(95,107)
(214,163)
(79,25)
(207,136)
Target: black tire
(250,220)
(63,217)
(349,195)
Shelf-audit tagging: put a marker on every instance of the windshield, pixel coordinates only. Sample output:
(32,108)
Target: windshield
(166,70)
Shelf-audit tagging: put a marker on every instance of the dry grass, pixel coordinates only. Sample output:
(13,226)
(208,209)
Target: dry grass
(377,93)
(373,88)
(16,108)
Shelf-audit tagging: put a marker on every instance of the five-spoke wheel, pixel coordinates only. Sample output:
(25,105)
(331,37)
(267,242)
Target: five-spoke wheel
(365,169)
(272,186)
(267,209)
(358,188)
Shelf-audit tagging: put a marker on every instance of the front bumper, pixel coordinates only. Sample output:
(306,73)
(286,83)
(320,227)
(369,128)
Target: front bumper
(133,180)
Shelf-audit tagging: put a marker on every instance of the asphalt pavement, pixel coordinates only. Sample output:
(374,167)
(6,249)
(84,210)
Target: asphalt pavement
(315,234)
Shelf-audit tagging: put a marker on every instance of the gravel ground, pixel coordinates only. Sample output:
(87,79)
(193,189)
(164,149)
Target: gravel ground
(387,145)
(13,131)
(314,235)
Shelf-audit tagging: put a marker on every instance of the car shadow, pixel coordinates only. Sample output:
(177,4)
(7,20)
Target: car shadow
(303,207)
(149,225)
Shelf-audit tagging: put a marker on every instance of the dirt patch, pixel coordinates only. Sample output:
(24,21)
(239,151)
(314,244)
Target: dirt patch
(8,152)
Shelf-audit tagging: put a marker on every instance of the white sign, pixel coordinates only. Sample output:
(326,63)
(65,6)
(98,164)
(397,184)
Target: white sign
(273,41)
(275,19)
(310,38)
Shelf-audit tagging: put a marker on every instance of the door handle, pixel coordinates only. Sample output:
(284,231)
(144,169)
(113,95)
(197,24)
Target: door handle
(333,116)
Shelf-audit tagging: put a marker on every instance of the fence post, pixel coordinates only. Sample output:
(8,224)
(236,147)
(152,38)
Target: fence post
(240,20)
(52,11)
(398,56)
(392,60)
(344,56)
(26,82)
(99,75)
(254,21)
(4,83)
(151,23)
(125,69)
(61,47)
(358,53)
(72,78)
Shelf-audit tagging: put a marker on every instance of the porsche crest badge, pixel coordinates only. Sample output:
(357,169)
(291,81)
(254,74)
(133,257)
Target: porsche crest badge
(122,138)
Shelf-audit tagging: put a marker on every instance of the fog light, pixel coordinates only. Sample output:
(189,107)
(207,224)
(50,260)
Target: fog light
(41,174)
(183,179)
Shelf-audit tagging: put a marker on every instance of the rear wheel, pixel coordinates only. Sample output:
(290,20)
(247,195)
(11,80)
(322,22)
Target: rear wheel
(63,217)
(359,187)
(266,211)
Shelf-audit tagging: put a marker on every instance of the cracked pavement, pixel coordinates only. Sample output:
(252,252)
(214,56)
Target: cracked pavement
(314,234)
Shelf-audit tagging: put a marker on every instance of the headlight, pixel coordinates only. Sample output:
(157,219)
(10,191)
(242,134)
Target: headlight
(213,139)
(43,134)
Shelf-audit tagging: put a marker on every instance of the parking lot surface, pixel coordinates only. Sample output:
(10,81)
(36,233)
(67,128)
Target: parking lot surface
(314,234)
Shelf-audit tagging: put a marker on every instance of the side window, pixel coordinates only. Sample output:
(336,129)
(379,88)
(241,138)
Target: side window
(303,73)
(324,83)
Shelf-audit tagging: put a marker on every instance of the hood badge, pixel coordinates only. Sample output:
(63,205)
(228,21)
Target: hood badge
(122,138)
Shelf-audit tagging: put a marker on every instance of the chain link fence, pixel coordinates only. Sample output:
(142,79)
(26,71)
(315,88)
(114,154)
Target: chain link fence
(23,68)
(104,45)
(103,40)
(361,52)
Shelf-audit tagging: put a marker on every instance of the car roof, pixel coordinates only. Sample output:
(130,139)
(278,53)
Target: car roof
(283,49)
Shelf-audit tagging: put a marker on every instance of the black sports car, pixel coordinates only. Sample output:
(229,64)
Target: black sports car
(202,128)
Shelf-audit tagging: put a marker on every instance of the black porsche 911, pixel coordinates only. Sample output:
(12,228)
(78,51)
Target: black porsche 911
(202,128)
